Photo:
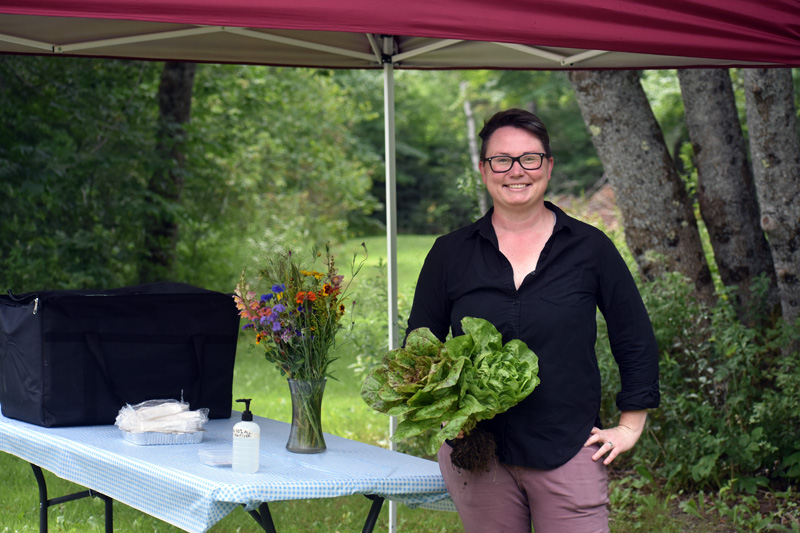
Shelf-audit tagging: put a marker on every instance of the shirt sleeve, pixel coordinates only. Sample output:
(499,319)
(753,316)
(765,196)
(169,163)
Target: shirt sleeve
(431,307)
(630,334)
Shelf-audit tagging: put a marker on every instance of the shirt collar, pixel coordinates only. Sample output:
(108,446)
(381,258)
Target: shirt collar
(483,225)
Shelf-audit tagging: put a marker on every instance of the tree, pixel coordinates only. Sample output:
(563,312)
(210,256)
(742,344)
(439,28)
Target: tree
(166,183)
(474,151)
(272,161)
(726,191)
(775,150)
(431,148)
(76,138)
(660,225)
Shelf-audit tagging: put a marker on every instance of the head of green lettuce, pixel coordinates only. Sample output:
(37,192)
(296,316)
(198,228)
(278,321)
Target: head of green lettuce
(450,386)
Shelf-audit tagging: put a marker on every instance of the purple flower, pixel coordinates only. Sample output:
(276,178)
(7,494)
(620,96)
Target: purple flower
(266,297)
(278,308)
(276,326)
(278,288)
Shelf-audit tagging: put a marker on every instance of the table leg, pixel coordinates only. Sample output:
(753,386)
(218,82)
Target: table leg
(374,511)
(109,512)
(264,518)
(45,503)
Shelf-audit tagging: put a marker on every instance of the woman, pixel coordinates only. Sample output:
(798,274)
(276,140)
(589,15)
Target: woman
(539,275)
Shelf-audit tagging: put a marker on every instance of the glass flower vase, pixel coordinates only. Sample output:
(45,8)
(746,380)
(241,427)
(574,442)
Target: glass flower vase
(306,435)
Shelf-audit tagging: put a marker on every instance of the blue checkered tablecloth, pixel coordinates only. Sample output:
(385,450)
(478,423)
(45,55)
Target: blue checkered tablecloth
(172,484)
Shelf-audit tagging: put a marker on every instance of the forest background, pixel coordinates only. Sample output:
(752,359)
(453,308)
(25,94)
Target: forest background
(114,173)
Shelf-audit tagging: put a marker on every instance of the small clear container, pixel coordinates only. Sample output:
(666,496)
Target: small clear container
(216,457)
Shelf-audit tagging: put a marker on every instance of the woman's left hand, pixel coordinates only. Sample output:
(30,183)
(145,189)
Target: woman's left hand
(618,439)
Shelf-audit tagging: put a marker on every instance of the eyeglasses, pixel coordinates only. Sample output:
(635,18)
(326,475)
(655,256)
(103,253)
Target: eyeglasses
(503,163)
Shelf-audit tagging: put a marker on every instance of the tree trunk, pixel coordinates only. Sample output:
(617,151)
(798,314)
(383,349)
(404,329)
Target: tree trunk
(775,149)
(660,226)
(725,188)
(166,184)
(474,152)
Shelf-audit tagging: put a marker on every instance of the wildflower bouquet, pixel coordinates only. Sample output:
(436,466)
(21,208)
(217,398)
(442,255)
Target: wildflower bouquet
(298,317)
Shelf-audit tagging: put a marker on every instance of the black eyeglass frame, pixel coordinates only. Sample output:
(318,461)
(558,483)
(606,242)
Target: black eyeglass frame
(517,159)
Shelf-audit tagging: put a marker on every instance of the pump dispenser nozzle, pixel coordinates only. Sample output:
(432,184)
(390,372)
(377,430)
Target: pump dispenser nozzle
(247,416)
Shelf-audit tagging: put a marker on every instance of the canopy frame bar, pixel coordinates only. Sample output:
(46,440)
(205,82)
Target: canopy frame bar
(583,56)
(160,36)
(301,44)
(26,42)
(188,32)
(376,48)
(544,54)
(425,49)
(561,60)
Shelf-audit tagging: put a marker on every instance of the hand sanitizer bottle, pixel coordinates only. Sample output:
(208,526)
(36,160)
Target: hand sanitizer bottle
(246,440)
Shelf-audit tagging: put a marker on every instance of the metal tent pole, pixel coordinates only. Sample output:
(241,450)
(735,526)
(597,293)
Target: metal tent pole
(391,223)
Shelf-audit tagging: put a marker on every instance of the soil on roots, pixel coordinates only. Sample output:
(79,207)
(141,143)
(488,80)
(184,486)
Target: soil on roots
(473,451)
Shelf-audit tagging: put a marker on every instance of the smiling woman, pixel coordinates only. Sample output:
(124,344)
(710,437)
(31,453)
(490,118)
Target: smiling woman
(499,269)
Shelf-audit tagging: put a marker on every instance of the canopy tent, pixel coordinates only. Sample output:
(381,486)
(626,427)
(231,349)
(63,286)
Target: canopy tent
(528,34)
(412,34)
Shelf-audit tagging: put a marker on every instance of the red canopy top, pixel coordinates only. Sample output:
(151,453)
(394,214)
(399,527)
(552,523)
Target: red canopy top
(717,32)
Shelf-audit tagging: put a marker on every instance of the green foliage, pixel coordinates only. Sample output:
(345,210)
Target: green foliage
(75,142)
(777,511)
(274,162)
(730,394)
(270,157)
(431,147)
(664,94)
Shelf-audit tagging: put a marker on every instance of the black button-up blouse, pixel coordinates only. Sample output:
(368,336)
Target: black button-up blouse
(553,312)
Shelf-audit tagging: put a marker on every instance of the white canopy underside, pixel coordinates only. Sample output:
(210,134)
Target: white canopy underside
(127,39)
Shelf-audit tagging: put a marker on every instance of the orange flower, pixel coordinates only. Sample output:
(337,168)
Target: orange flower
(305,295)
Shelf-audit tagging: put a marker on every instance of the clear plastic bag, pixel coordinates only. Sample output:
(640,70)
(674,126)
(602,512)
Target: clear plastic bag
(161,416)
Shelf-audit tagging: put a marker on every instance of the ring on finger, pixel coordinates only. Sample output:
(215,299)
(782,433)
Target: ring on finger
(610,444)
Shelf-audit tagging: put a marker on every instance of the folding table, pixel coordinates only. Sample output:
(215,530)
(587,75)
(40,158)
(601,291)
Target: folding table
(171,483)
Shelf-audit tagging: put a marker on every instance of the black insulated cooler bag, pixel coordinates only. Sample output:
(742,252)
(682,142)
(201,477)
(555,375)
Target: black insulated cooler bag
(74,358)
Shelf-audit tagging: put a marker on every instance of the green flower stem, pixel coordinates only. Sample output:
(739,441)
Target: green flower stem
(306,434)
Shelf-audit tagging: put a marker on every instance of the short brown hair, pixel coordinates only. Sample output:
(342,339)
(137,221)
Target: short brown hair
(518,118)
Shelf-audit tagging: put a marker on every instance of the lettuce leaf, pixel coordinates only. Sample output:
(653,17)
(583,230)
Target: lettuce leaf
(449,387)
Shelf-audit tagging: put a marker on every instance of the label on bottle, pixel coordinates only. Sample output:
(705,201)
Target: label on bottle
(242,433)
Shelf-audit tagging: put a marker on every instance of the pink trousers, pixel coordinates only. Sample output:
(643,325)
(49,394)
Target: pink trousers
(509,499)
